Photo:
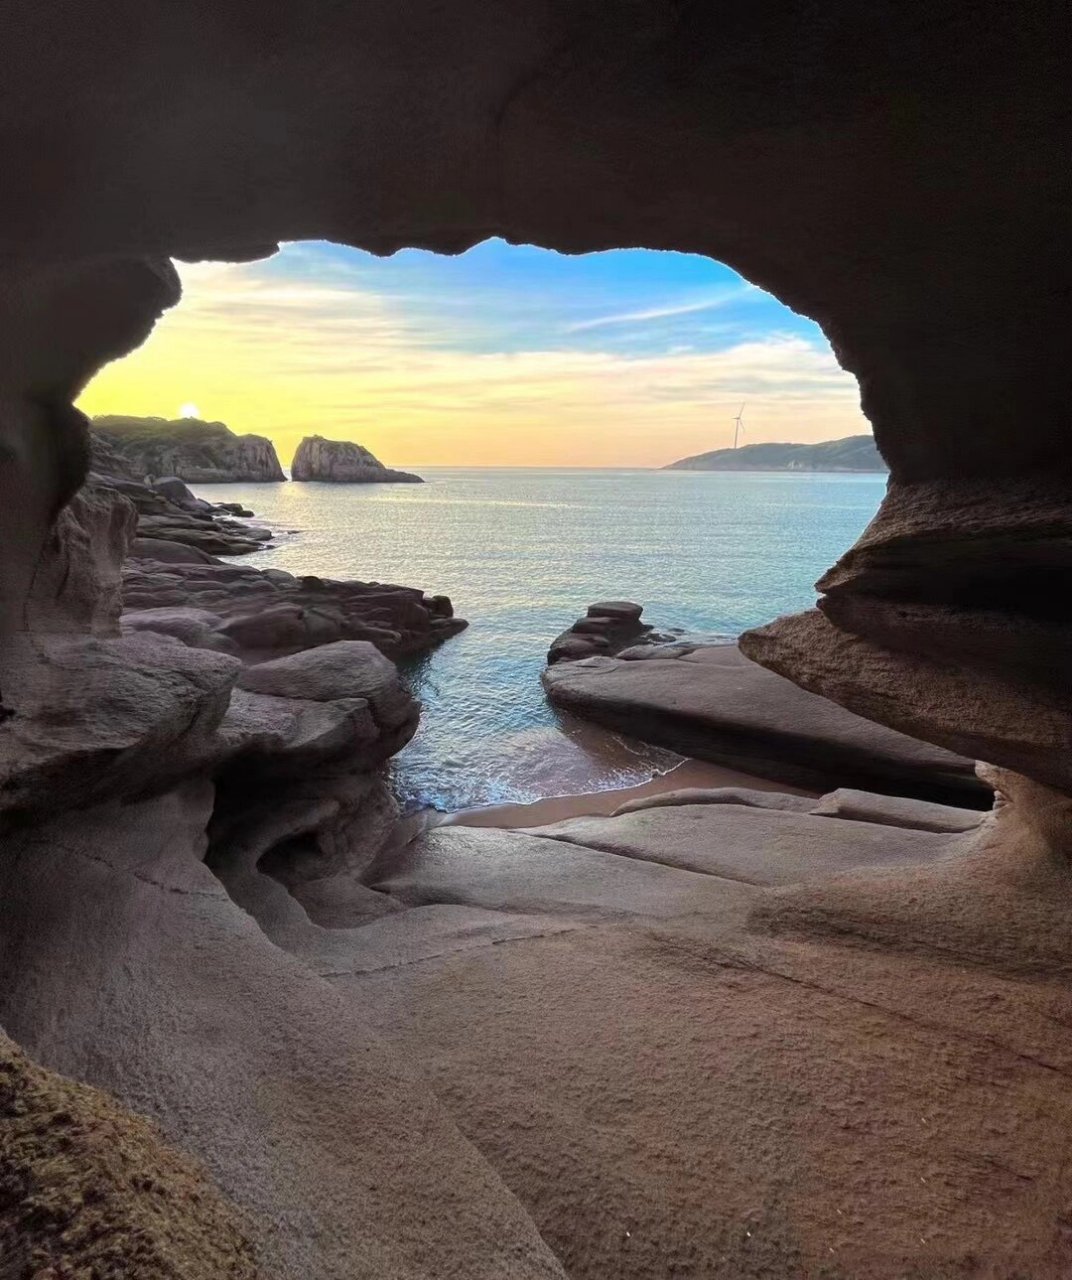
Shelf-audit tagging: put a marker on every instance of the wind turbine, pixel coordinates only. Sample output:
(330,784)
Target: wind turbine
(738,424)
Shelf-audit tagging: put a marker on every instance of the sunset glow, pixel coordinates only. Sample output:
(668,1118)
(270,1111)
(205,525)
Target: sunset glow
(503,356)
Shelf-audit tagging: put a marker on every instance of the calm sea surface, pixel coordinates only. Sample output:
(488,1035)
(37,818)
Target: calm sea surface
(521,553)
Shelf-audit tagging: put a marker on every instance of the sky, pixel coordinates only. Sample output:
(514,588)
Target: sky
(502,356)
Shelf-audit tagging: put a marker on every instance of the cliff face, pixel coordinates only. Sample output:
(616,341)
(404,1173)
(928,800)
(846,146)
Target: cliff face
(343,462)
(195,451)
(853,453)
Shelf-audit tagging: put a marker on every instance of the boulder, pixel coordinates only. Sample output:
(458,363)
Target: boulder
(714,704)
(345,669)
(623,610)
(167,551)
(195,627)
(174,489)
(107,718)
(606,628)
(280,626)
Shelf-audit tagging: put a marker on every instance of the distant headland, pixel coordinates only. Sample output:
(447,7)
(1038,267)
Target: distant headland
(853,453)
(201,452)
(193,450)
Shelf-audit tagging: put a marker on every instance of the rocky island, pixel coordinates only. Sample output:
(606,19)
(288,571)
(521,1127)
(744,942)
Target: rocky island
(343,462)
(853,453)
(193,450)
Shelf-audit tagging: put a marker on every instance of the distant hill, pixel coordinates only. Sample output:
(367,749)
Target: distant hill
(195,451)
(854,453)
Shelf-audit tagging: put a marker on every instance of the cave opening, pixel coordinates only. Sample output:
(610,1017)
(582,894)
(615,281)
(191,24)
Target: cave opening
(542,398)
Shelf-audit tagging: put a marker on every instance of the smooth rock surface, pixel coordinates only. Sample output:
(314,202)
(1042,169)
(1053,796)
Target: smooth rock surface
(748,844)
(151,982)
(714,704)
(896,811)
(719,795)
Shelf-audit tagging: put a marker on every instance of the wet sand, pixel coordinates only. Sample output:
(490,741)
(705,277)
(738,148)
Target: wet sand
(690,773)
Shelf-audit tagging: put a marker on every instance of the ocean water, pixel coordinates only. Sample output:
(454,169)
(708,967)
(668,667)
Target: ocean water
(522,552)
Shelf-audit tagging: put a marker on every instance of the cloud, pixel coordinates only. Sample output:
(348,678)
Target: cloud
(287,355)
(661,313)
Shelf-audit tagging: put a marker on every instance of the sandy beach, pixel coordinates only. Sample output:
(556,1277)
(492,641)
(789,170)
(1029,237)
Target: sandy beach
(690,773)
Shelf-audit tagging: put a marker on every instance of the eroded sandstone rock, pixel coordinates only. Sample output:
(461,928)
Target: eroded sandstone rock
(267,613)
(712,703)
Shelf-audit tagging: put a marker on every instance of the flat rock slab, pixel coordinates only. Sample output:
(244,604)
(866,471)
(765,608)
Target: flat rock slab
(896,811)
(671,1107)
(753,845)
(508,871)
(714,704)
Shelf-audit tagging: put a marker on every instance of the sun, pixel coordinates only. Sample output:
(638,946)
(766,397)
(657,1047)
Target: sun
(189,410)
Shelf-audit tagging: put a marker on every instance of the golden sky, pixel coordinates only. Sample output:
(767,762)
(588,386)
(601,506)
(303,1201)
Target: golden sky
(499,358)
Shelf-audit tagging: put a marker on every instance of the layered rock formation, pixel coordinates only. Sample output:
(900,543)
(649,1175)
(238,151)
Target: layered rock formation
(607,627)
(194,451)
(712,703)
(343,462)
(174,584)
(171,524)
(711,1049)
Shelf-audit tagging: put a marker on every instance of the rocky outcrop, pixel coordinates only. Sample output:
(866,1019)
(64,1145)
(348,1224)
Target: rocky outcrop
(173,584)
(711,702)
(169,516)
(189,449)
(264,613)
(343,462)
(853,453)
(607,627)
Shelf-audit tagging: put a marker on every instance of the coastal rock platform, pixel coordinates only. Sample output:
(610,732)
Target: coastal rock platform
(712,703)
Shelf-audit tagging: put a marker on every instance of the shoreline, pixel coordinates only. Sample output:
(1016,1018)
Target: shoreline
(690,773)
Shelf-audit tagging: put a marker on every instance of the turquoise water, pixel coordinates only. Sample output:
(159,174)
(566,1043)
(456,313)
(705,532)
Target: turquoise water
(521,553)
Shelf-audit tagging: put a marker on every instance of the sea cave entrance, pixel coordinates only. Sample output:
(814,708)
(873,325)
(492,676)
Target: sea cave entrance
(542,398)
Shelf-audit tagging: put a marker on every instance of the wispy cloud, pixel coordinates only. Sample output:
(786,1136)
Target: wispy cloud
(660,313)
(286,355)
